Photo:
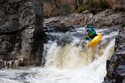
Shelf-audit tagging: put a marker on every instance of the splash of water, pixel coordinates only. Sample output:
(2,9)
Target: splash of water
(66,64)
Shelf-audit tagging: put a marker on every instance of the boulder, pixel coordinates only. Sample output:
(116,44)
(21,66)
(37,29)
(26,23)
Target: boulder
(66,39)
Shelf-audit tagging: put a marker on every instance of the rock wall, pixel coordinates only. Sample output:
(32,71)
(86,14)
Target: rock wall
(104,19)
(21,32)
(116,63)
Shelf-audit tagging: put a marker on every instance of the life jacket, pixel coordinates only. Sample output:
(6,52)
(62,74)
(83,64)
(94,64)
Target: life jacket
(92,34)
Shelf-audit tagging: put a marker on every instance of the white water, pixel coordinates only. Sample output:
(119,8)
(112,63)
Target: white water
(66,64)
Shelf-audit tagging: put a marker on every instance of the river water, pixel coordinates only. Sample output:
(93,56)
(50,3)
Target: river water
(68,63)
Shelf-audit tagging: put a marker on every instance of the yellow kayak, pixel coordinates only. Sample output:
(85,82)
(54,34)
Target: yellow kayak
(95,40)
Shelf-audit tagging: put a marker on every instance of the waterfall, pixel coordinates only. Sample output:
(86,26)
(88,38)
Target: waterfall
(65,62)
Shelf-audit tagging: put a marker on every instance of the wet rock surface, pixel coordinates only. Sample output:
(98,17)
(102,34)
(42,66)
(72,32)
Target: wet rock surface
(21,34)
(67,39)
(116,63)
(59,28)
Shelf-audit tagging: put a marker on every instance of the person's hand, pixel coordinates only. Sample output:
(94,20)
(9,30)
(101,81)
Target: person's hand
(86,18)
(85,26)
(84,36)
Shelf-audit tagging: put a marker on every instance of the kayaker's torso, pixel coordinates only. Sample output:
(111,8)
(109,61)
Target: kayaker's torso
(92,34)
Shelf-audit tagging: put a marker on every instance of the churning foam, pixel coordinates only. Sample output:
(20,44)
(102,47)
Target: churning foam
(66,65)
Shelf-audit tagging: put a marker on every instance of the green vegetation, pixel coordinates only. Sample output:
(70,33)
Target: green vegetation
(98,6)
(65,9)
(94,6)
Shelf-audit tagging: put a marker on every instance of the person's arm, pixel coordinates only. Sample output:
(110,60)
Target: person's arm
(91,28)
(87,37)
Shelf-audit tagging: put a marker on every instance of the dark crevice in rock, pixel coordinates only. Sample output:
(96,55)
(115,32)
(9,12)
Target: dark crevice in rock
(8,33)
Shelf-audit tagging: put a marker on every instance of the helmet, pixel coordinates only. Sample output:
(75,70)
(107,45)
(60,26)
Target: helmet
(88,30)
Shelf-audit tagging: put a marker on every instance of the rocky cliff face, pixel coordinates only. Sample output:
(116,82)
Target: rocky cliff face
(116,63)
(104,19)
(21,33)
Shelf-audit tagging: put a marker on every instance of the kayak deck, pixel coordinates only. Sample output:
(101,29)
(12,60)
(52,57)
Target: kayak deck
(95,40)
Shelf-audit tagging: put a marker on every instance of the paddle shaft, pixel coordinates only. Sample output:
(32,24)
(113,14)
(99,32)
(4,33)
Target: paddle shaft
(86,20)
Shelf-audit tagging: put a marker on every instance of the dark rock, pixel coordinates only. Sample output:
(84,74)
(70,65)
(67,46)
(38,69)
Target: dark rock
(21,33)
(64,40)
(58,28)
(116,63)
(52,37)
(79,35)
(1,63)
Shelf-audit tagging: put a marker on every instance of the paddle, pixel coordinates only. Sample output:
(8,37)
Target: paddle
(86,20)
(84,43)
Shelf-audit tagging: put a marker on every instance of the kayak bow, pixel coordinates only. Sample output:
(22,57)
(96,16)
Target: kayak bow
(95,40)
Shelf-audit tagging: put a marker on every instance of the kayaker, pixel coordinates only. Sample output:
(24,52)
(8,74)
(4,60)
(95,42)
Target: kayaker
(91,32)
